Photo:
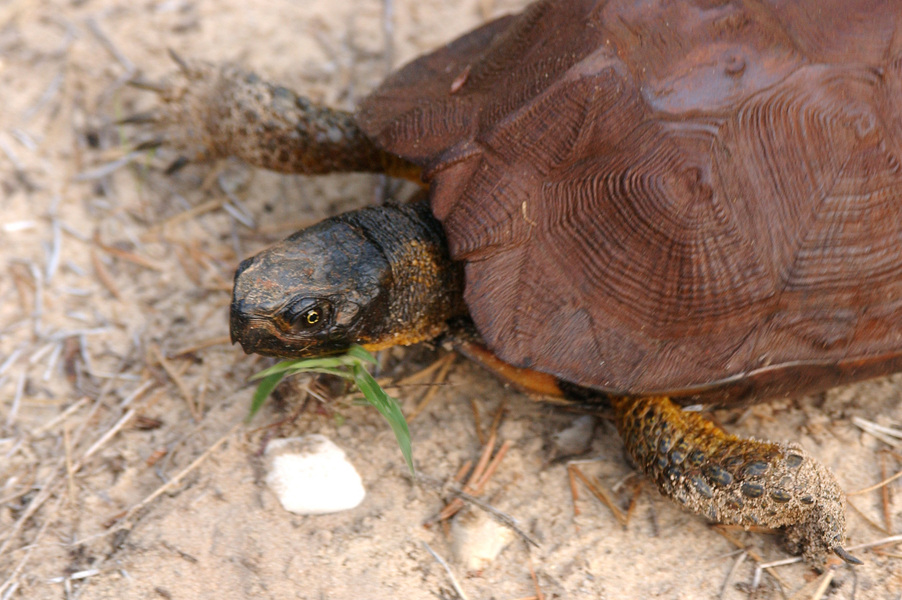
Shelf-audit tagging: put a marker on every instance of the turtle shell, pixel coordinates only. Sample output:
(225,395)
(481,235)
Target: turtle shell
(655,196)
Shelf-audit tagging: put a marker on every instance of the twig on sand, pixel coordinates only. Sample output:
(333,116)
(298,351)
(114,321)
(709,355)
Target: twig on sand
(444,564)
(733,570)
(882,433)
(877,485)
(599,492)
(104,276)
(178,477)
(182,217)
(75,407)
(814,590)
(106,437)
(479,477)
(893,539)
(110,167)
(111,47)
(430,393)
(177,379)
(535,580)
(8,587)
(500,516)
(762,566)
(17,399)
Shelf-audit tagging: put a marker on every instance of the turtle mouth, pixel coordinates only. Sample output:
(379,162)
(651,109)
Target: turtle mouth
(259,334)
(243,331)
(242,326)
(251,333)
(256,337)
(254,333)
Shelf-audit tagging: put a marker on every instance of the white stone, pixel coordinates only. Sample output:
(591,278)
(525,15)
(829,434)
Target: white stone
(577,438)
(312,476)
(477,539)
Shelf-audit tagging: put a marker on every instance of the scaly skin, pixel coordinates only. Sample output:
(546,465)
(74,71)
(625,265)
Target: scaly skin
(734,480)
(377,277)
(404,288)
(382,276)
(211,111)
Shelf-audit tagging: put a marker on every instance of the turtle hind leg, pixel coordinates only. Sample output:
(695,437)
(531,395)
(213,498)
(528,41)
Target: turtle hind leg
(211,111)
(733,480)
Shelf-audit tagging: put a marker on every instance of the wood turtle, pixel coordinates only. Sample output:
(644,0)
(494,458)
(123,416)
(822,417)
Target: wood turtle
(663,203)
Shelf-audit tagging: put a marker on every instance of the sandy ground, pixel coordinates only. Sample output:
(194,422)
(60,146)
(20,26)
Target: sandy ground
(126,470)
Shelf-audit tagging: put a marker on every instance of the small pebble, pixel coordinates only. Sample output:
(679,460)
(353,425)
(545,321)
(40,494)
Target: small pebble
(312,476)
(477,539)
(577,438)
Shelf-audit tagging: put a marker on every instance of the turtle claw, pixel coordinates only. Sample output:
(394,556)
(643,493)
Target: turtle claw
(187,101)
(841,552)
(733,480)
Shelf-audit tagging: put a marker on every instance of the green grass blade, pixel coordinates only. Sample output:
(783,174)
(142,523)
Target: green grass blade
(264,389)
(279,367)
(361,354)
(307,364)
(347,366)
(389,409)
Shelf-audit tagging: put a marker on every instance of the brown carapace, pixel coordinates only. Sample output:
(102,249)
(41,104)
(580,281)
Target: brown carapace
(698,200)
(664,196)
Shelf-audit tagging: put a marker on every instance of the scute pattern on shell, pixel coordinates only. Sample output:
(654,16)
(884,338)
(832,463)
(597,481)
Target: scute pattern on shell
(670,196)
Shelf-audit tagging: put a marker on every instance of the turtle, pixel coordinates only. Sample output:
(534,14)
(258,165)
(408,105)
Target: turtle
(644,203)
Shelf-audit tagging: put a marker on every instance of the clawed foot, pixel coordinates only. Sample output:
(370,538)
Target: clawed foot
(184,120)
(211,111)
(734,480)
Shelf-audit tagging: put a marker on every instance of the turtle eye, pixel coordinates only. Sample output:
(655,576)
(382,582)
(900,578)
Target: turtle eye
(311,318)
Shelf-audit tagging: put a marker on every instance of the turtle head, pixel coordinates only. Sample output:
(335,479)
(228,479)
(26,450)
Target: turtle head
(317,292)
(359,278)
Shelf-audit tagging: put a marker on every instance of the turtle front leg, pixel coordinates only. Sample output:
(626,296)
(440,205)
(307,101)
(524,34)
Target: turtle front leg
(733,480)
(212,111)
